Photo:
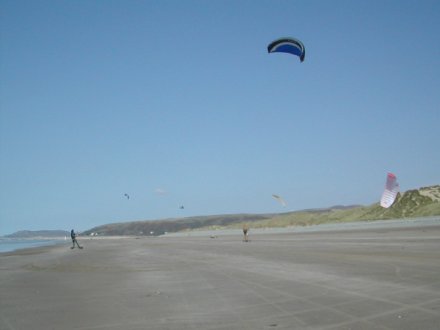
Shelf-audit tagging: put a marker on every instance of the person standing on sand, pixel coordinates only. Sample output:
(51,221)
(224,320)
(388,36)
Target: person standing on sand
(245,233)
(73,236)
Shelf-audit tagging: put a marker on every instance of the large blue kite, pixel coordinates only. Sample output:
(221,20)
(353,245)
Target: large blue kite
(288,45)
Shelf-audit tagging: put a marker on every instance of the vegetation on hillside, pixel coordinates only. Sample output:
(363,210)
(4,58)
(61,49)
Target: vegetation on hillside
(159,227)
(421,202)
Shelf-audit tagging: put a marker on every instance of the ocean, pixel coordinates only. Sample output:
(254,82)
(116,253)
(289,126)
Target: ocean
(12,244)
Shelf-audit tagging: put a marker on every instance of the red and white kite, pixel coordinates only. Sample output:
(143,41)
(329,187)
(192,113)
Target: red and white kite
(390,193)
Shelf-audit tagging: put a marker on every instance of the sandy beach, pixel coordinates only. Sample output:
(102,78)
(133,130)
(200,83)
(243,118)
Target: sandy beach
(362,278)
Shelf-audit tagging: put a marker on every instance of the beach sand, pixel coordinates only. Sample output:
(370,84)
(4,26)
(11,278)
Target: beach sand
(367,278)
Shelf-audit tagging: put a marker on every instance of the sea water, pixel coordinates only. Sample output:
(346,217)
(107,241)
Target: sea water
(12,244)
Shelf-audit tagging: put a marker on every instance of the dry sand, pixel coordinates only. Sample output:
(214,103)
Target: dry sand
(364,278)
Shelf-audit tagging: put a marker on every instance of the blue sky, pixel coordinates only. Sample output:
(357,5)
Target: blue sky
(179,103)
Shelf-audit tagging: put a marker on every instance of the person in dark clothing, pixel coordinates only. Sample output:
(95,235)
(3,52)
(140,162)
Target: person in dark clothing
(73,236)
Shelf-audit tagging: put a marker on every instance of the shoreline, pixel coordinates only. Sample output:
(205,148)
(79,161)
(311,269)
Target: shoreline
(53,243)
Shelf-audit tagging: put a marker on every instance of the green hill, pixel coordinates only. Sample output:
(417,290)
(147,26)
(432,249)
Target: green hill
(159,227)
(421,202)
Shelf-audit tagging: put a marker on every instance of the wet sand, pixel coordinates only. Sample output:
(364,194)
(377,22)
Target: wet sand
(363,278)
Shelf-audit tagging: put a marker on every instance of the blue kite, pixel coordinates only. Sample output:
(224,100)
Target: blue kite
(288,45)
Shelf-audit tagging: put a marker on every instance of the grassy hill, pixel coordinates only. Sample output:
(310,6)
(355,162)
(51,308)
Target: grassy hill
(421,202)
(159,227)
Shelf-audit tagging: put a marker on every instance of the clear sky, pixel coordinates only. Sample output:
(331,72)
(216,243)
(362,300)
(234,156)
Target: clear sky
(178,103)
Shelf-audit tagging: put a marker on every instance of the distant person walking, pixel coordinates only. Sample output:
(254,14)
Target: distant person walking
(73,236)
(245,233)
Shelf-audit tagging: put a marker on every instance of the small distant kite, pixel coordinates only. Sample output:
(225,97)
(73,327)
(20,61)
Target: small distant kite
(181,207)
(279,199)
(126,195)
(160,191)
(391,190)
(288,45)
